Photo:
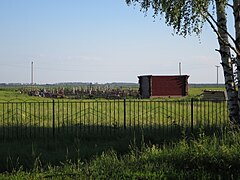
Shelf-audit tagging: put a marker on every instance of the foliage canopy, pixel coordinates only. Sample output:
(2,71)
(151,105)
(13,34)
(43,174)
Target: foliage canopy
(185,16)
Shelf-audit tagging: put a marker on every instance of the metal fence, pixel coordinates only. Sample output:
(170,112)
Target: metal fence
(108,117)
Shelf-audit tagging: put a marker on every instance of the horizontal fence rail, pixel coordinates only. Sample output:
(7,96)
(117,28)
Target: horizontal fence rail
(107,117)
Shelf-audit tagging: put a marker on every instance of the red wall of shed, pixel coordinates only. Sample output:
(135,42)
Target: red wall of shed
(168,85)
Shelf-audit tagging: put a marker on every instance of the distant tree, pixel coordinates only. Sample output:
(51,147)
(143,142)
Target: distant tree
(188,16)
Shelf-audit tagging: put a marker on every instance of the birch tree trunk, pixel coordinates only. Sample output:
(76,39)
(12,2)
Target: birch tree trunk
(227,63)
(236,13)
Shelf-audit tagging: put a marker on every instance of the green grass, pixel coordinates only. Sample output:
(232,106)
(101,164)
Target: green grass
(196,92)
(13,94)
(144,156)
(200,158)
(77,117)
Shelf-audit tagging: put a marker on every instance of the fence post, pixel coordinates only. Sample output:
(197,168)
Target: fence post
(53,118)
(124,113)
(192,115)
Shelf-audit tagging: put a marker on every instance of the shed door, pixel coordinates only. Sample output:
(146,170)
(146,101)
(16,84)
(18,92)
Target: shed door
(145,87)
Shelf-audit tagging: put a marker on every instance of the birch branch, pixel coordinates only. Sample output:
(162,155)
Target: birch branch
(220,37)
(215,22)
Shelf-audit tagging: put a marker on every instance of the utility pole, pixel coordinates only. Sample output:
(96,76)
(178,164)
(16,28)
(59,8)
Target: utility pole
(32,73)
(180,68)
(217,74)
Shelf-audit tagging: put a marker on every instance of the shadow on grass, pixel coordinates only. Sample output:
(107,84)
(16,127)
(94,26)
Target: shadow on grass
(30,147)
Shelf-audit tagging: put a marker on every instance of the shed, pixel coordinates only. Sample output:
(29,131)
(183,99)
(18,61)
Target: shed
(163,86)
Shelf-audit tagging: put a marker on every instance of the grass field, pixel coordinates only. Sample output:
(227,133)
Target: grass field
(143,156)
(24,116)
(13,93)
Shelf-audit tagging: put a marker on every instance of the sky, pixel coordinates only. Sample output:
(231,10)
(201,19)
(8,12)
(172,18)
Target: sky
(97,41)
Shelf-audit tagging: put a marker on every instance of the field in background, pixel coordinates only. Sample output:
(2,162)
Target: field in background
(8,93)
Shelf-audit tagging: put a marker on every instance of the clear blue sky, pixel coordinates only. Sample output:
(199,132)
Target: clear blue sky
(96,41)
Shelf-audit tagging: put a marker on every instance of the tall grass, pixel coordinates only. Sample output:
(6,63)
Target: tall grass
(215,157)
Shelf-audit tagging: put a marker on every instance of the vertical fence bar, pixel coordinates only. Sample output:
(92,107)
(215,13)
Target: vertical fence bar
(146,111)
(138,118)
(163,119)
(196,113)
(12,118)
(84,116)
(101,104)
(89,116)
(179,115)
(183,113)
(216,111)
(93,116)
(124,114)
(130,115)
(76,117)
(224,113)
(158,119)
(3,121)
(114,116)
(208,115)
(39,119)
(142,115)
(67,119)
(16,106)
(53,118)
(167,117)
(200,113)
(63,119)
(212,107)
(204,113)
(134,115)
(192,115)
(34,120)
(21,115)
(43,119)
(77,122)
(185,120)
(175,115)
(49,118)
(118,125)
(97,116)
(58,116)
(30,112)
(106,122)
(150,115)
(71,117)
(80,114)
(110,115)
(171,117)
(7,120)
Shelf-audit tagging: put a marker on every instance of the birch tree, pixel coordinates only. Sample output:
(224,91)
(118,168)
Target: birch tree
(188,17)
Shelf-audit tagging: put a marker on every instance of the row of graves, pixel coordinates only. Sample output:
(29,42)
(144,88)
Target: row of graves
(83,92)
(43,92)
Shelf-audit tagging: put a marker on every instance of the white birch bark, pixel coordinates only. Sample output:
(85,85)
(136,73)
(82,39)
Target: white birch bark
(236,13)
(227,63)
